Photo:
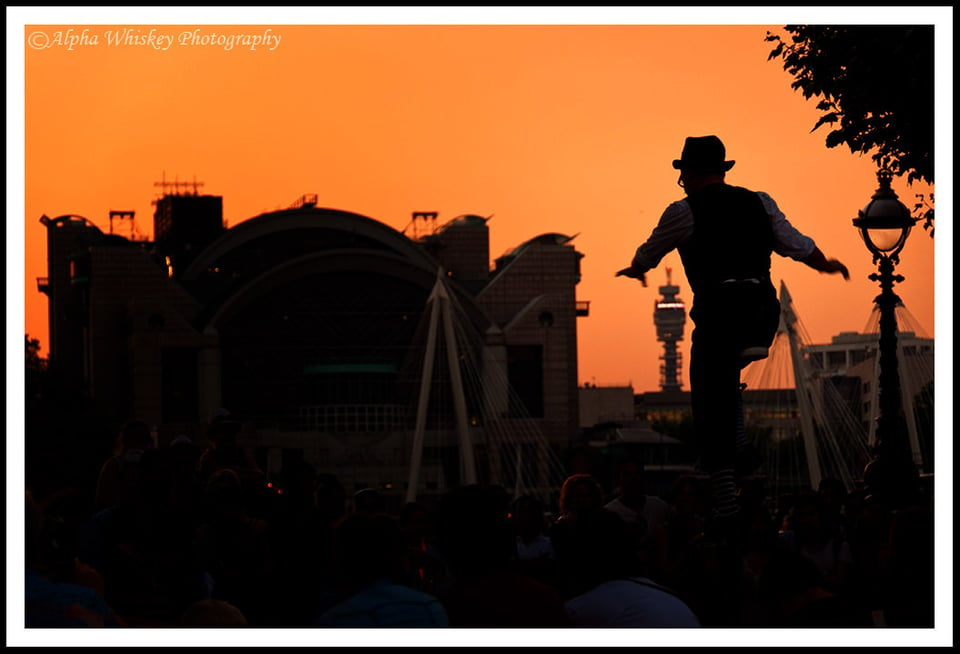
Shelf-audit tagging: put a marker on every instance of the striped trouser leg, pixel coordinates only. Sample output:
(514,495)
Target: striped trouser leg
(724,492)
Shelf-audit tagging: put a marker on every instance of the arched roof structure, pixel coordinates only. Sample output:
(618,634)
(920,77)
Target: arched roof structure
(277,248)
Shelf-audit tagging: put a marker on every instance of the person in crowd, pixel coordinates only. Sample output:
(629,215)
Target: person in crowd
(369,501)
(369,559)
(530,527)
(907,592)
(616,592)
(834,497)
(300,544)
(330,498)
(213,613)
(794,593)
(644,513)
(184,483)
(234,548)
(581,496)
(136,544)
(813,535)
(60,591)
(535,555)
(225,434)
(759,546)
(676,538)
(135,438)
(423,565)
(475,539)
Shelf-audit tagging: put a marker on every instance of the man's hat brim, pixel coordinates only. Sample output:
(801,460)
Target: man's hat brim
(679,165)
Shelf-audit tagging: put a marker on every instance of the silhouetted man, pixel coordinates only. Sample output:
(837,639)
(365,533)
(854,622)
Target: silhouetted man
(643,513)
(725,236)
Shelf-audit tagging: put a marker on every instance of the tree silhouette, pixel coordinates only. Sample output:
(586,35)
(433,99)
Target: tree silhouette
(34,365)
(65,439)
(876,89)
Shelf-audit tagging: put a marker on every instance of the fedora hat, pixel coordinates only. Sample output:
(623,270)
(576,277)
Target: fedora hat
(703,153)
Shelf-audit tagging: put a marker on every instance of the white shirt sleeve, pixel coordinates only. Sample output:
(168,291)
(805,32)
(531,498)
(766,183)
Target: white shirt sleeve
(675,227)
(787,240)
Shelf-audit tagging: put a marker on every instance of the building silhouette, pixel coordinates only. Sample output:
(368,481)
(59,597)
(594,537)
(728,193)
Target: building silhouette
(308,324)
(850,362)
(840,394)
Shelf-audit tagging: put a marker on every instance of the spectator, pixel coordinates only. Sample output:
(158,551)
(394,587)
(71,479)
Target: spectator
(908,582)
(812,535)
(369,554)
(675,538)
(535,555)
(530,528)
(580,498)
(233,548)
(213,613)
(795,596)
(580,495)
(474,537)
(617,592)
(134,439)
(642,512)
(369,501)
(225,450)
(424,568)
(60,591)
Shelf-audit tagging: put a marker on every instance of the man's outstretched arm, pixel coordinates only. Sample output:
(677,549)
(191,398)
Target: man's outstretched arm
(818,261)
(674,227)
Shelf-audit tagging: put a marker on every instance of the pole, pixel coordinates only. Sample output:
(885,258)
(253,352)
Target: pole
(892,474)
(802,386)
(468,467)
(416,455)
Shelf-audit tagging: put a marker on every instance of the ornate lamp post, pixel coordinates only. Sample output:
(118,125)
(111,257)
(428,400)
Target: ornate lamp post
(885,224)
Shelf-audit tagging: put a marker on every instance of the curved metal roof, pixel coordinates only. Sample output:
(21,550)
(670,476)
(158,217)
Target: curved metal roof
(277,222)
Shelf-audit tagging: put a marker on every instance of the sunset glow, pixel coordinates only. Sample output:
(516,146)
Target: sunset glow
(567,128)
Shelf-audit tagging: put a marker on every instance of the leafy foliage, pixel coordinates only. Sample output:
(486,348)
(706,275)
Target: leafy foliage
(35,366)
(923,211)
(875,85)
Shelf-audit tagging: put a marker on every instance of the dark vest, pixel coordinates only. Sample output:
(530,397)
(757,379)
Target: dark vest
(732,238)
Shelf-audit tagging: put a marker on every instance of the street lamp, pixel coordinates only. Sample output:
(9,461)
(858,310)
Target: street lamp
(884,225)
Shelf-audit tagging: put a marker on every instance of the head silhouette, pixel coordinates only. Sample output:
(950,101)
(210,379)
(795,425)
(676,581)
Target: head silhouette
(473,529)
(367,548)
(580,495)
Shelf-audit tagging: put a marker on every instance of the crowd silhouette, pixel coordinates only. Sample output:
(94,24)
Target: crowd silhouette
(190,536)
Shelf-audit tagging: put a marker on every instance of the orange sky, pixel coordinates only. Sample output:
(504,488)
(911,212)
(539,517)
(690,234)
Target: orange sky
(560,128)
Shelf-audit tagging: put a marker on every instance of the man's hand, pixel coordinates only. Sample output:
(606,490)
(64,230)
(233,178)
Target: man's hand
(836,266)
(817,261)
(634,273)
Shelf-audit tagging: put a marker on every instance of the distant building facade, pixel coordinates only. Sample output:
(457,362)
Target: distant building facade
(849,365)
(310,324)
(854,355)
(604,404)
